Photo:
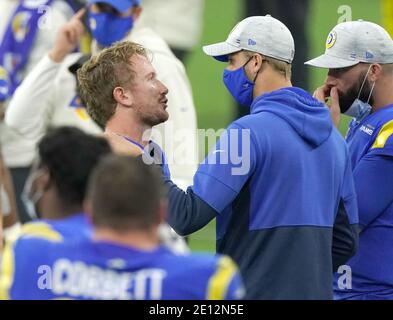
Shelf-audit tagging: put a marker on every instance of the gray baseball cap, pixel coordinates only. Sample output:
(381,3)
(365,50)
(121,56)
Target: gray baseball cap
(350,43)
(261,34)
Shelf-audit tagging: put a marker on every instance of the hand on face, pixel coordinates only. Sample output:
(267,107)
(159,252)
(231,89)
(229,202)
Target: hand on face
(68,37)
(329,95)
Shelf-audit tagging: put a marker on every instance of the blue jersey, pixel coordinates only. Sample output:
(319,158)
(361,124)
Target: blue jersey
(280,184)
(38,269)
(72,227)
(370,142)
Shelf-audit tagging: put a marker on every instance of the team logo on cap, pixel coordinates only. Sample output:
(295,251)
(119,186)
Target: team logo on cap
(331,40)
(369,55)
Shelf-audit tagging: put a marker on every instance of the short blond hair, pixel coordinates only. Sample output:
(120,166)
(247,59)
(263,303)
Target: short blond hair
(100,75)
(282,67)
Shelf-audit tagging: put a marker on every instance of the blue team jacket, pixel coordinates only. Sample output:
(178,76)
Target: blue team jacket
(285,205)
(370,142)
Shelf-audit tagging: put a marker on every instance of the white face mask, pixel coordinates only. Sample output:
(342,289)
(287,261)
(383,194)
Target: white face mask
(29,198)
(360,109)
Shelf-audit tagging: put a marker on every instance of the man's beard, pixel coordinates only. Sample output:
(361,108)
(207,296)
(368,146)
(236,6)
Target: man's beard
(347,98)
(154,120)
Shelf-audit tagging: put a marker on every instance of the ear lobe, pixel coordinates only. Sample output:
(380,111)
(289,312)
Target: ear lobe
(122,96)
(376,70)
(259,62)
(259,59)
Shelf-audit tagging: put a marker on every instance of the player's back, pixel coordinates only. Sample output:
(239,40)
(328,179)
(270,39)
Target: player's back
(72,227)
(37,269)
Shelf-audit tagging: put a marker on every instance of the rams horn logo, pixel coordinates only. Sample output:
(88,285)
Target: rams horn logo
(331,40)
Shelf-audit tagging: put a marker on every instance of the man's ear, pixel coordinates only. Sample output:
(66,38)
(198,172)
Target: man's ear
(376,71)
(123,96)
(136,12)
(257,62)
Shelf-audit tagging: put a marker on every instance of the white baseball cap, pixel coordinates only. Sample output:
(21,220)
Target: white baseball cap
(350,43)
(261,34)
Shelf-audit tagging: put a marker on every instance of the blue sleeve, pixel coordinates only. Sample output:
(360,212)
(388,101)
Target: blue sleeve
(216,184)
(374,185)
(345,228)
(226,169)
(348,194)
(187,213)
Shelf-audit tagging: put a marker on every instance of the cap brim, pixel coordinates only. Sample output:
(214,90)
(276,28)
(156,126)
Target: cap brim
(331,62)
(119,5)
(220,51)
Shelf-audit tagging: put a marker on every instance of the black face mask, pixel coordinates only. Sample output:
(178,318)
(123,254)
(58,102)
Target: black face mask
(347,98)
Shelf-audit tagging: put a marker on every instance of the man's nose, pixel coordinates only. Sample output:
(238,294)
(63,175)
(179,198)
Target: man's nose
(164,89)
(331,80)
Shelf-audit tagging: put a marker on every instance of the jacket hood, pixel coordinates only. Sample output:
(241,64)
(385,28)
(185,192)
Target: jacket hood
(306,115)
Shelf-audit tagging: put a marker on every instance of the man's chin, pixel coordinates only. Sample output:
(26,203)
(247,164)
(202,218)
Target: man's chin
(165,116)
(160,119)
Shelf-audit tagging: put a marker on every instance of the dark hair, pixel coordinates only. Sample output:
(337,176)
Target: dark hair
(125,193)
(70,156)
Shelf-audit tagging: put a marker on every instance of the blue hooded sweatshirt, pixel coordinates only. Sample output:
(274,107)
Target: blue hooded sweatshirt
(280,184)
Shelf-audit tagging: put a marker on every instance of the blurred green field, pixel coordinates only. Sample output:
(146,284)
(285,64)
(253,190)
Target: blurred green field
(215,107)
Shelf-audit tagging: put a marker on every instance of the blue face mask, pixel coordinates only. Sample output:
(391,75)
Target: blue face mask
(239,86)
(360,109)
(107,28)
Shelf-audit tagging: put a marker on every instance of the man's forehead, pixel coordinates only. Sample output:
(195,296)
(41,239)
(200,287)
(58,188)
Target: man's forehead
(140,60)
(137,56)
(142,64)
